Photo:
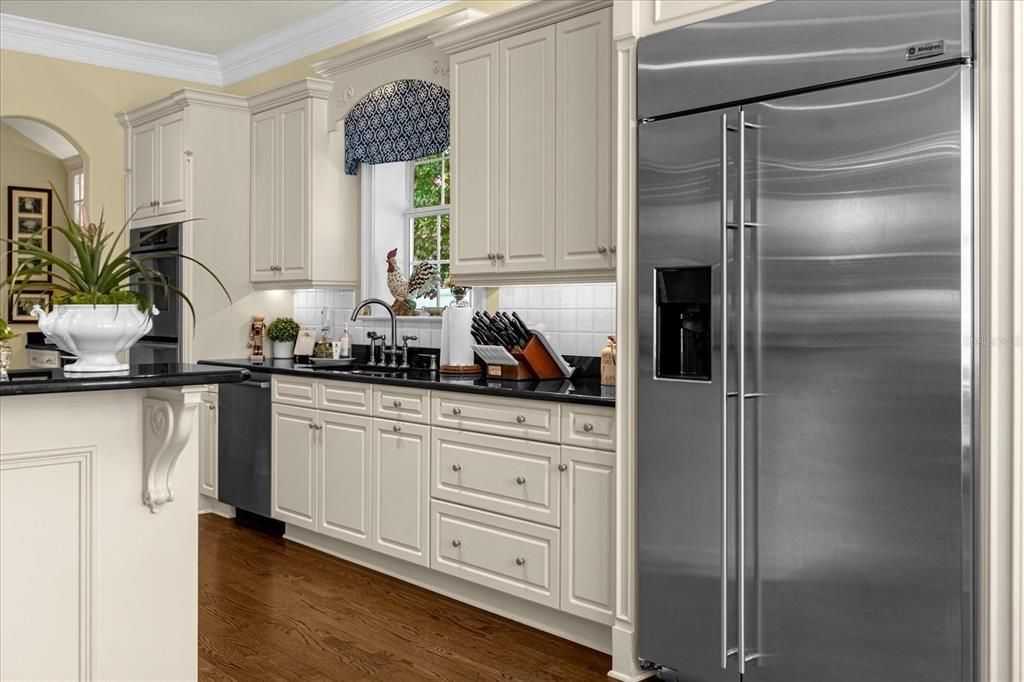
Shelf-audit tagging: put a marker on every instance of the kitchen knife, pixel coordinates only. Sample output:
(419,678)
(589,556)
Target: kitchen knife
(522,325)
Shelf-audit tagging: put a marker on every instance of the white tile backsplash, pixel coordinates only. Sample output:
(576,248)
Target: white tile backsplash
(577,317)
(309,304)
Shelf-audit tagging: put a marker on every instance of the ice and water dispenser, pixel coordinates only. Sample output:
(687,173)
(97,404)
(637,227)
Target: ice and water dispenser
(683,300)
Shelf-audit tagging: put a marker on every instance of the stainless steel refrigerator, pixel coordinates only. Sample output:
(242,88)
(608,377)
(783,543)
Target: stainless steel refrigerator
(806,369)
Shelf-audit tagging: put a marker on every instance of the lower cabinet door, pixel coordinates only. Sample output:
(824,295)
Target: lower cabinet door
(588,504)
(345,476)
(293,471)
(401,461)
(208,445)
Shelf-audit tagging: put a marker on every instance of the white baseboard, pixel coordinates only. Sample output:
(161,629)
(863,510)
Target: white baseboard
(588,633)
(209,505)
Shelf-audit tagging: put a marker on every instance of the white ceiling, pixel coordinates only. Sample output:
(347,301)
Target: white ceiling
(218,42)
(43,135)
(211,26)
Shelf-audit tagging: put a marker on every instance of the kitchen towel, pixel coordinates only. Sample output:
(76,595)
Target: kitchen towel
(456,342)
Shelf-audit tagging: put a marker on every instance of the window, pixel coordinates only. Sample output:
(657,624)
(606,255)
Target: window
(429,221)
(76,188)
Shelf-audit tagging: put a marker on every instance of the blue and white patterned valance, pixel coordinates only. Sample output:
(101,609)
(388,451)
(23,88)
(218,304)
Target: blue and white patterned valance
(401,121)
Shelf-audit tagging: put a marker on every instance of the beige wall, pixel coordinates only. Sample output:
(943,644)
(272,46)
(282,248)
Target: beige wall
(23,163)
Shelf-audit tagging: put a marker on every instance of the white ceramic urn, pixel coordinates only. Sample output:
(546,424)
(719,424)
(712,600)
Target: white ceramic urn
(95,334)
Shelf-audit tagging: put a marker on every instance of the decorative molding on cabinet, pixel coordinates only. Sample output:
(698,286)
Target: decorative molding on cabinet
(178,100)
(307,88)
(166,425)
(403,41)
(514,21)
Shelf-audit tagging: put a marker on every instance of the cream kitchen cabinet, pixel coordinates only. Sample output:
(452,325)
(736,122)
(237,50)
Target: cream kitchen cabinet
(157,167)
(344,465)
(207,434)
(588,541)
(293,465)
(400,495)
(295,197)
(531,150)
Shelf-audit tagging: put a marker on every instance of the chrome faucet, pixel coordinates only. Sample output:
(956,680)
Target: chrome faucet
(394,329)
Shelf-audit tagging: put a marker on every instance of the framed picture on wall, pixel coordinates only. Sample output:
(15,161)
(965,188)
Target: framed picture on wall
(23,302)
(29,211)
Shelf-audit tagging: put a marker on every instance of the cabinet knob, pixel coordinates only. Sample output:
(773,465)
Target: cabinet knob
(499,256)
(396,428)
(319,427)
(312,425)
(490,256)
(521,480)
(602,248)
(456,467)
(520,561)
(588,427)
(456,411)
(520,419)
(397,403)
(210,406)
(612,248)
(563,467)
(456,543)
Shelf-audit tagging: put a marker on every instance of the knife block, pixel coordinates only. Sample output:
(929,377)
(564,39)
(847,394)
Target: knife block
(538,360)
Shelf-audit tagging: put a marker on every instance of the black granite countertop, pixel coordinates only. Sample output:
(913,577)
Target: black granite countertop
(35,381)
(577,390)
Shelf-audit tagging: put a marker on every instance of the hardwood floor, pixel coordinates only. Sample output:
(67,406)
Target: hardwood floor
(273,609)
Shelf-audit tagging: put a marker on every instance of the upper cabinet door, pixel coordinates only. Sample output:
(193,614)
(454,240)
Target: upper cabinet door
(293,168)
(264,199)
(526,151)
(170,145)
(584,134)
(143,171)
(474,141)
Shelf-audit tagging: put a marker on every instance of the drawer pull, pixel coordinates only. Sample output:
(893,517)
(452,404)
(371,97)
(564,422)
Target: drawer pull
(521,480)
(396,428)
(312,425)
(520,561)
(563,467)
(210,405)
(588,427)
(520,419)
(456,467)
(397,403)
(456,543)
(456,411)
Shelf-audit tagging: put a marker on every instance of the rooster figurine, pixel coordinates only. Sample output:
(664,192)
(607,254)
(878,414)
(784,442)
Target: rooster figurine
(423,282)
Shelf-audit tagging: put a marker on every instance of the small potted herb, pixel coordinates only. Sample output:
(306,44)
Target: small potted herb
(6,334)
(283,331)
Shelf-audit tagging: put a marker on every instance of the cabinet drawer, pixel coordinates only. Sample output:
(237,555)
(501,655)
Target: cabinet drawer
(530,419)
(294,391)
(513,556)
(404,404)
(504,475)
(43,358)
(588,426)
(342,396)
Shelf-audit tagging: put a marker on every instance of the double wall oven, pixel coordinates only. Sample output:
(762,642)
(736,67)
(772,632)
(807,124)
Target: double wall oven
(159,246)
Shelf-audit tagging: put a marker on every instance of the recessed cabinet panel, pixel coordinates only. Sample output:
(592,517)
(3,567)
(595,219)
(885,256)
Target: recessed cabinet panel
(171,163)
(293,244)
(345,477)
(401,457)
(293,474)
(264,199)
(474,130)
(144,171)
(207,427)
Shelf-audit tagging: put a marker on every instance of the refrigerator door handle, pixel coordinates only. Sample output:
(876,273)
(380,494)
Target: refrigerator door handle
(741,340)
(726,652)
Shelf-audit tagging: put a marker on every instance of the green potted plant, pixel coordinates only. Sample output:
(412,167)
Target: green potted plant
(6,334)
(102,298)
(283,331)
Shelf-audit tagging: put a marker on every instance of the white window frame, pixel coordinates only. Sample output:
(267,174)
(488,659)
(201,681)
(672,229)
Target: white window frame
(75,167)
(444,295)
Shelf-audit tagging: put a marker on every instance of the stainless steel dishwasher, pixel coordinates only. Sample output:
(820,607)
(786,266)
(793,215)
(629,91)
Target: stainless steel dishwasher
(244,445)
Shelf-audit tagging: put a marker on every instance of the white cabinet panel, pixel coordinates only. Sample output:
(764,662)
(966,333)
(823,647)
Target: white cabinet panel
(589,426)
(588,506)
(526,151)
(143,171)
(504,475)
(264,199)
(401,461)
(343,396)
(404,404)
(292,390)
(513,556)
(584,134)
(532,419)
(293,171)
(171,166)
(293,472)
(208,435)
(474,158)
(344,470)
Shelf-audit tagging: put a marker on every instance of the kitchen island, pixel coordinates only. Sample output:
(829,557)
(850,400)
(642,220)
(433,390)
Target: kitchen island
(94,583)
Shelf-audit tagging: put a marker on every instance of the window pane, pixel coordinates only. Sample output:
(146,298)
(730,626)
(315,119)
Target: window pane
(427,181)
(446,232)
(446,196)
(424,238)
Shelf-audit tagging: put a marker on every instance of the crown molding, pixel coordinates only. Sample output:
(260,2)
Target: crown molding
(177,101)
(397,43)
(306,88)
(335,25)
(521,19)
(43,38)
